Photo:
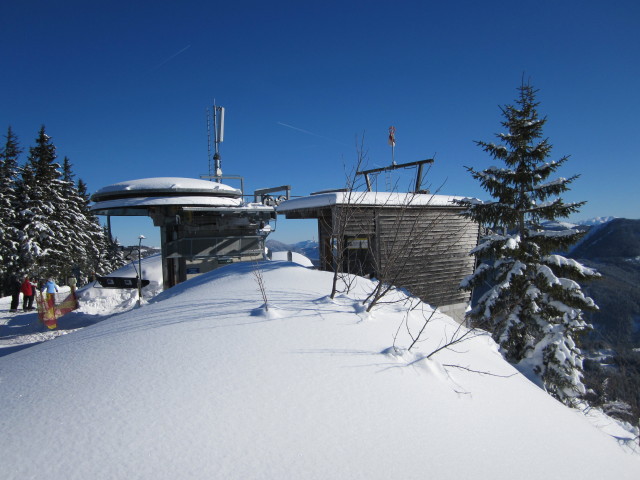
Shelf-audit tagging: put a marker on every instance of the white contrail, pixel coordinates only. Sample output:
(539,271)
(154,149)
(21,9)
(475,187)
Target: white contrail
(171,57)
(308,132)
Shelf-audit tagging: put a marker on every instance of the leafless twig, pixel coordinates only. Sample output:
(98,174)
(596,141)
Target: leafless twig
(481,372)
(257,274)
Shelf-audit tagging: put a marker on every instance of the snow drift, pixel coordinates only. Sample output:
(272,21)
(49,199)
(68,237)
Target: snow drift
(204,382)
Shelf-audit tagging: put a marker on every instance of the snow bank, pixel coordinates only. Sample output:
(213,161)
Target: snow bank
(297,258)
(95,300)
(199,384)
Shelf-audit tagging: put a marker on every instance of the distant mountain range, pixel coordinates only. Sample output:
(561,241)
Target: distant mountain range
(596,221)
(613,248)
(618,238)
(581,225)
(132,251)
(613,373)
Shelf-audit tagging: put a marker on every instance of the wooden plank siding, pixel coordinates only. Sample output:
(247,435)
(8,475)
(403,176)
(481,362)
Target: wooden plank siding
(430,248)
(423,249)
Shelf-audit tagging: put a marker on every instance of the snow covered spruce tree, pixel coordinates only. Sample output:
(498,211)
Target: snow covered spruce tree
(103,255)
(8,232)
(78,224)
(46,226)
(534,305)
(45,235)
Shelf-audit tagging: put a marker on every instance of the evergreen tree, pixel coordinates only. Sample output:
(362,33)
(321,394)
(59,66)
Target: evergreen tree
(46,226)
(113,257)
(75,222)
(9,239)
(44,237)
(96,244)
(101,256)
(534,306)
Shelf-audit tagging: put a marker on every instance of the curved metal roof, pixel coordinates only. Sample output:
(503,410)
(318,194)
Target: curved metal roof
(164,187)
(137,197)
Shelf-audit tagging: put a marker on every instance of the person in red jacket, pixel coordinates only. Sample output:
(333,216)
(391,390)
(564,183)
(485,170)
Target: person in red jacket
(28,293)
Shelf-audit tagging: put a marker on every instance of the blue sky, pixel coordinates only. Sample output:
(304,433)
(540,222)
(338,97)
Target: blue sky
(122,89)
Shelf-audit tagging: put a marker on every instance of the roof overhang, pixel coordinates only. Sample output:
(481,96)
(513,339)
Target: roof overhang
(310,206)
(143,205)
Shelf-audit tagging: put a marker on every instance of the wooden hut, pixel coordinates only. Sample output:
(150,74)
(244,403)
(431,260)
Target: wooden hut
(417,241)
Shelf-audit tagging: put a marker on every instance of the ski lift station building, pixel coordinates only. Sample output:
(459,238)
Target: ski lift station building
(417,241)
(203,224)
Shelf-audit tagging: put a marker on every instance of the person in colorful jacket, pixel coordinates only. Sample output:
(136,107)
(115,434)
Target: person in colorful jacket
(50,288)
(28,293)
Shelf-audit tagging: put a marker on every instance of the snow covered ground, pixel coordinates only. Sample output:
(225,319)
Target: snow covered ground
(203,382)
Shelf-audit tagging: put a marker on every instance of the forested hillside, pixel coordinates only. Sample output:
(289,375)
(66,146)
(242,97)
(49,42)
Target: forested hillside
(613,370)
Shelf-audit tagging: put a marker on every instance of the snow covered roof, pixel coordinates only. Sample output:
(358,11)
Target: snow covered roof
(133,197)
(164,186)
(388,199)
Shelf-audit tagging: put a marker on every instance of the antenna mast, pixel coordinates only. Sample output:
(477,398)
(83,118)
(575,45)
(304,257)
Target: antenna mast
(218,131)
(209,141)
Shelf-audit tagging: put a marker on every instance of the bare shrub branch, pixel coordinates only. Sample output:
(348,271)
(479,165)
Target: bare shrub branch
(481,372)
(259,277)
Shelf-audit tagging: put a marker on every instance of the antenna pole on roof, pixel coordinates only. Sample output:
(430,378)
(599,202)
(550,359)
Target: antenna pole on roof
(209,141)
(218,131)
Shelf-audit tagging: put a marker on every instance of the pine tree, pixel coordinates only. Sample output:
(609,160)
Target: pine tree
(46,225)
(8,215)
(96,244)
(113,254)
(101,256)
(534,306)
(75,222)
(44,240)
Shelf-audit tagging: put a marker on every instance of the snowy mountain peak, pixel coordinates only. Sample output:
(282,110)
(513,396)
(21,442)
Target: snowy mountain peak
(596,221)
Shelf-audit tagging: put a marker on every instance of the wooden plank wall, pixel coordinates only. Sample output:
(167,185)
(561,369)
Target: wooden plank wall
(325,229)
(423,249)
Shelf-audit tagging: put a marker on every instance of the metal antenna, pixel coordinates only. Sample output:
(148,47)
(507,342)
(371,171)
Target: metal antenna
(218,130)
(209,141)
